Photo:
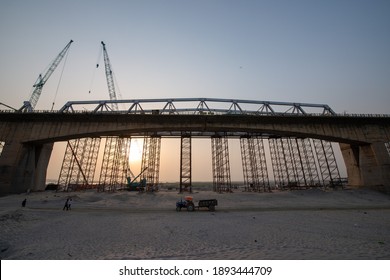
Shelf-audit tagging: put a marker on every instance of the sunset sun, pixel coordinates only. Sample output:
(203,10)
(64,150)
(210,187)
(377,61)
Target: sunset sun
(135,155)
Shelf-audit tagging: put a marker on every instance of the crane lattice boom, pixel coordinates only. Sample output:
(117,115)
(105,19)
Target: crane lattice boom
(109,76)
(30,105)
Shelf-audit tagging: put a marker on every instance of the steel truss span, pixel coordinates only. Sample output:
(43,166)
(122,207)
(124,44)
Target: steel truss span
(197,106)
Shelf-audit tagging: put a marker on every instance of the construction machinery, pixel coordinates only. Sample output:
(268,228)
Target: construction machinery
(190,206)
(109,76)
(132,185)
(29,105)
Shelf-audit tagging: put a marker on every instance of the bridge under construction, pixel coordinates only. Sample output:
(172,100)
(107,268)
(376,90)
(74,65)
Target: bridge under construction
(282,144)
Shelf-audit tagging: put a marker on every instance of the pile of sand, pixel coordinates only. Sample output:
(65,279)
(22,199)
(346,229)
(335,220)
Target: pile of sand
(310,224)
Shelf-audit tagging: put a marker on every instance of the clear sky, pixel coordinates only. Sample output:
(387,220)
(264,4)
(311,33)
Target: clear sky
(332,52)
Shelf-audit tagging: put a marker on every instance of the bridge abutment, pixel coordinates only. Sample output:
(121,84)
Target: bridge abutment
(367,165)
(23,167)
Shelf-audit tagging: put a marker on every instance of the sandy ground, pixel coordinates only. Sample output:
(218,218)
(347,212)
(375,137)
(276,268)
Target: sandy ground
(309,224)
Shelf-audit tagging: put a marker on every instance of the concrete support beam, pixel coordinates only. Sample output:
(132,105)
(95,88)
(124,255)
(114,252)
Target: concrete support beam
(367,165)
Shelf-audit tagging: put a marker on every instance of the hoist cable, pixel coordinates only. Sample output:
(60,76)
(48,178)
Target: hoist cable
(59,81)
(94,71)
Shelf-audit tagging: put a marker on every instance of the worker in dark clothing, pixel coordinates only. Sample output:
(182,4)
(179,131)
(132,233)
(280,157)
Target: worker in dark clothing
(66,206)
(24,202)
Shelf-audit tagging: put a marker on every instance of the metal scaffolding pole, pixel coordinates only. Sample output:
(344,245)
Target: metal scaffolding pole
(151,161)
(246,157)
(309,166)
(261,163)
(292,160)
(79,163)
(278,160)
(115,164)
(254,164)
(327,162)
(220,163)
(185,164)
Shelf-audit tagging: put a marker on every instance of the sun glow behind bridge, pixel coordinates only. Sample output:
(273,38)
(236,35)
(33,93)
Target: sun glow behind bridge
(135,155)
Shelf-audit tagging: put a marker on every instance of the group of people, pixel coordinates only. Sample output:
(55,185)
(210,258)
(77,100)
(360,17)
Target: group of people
(68,204)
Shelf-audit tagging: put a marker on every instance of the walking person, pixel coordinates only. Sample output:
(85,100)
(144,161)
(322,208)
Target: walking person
(24,202)
(66,205)
(69,204)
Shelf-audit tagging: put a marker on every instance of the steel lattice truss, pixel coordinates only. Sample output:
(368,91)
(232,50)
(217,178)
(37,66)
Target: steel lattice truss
(115,165)
(79,163)
(151,161)
(294,162)
(220,164)
(307,161)
(197,106)
(254,164)
(185,164)
(327,162)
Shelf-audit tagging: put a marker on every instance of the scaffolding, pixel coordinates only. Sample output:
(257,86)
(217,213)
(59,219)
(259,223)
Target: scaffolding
(278,162)
(115,164)
(293,162)
(79,164)
(151,161)
(308,162)
(327,163)
(220,164)
(185,164)
(254,164)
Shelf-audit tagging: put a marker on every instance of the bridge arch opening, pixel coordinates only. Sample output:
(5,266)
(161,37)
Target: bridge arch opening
(202,162)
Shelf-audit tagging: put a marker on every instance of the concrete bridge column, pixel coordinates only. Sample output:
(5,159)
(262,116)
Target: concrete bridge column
(23,167)
(367,165)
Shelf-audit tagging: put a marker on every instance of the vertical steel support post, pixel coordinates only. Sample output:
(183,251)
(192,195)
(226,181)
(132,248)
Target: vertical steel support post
(290,160)
(115,164)
(249,180)
(221,164)
(327,162)
(261,163)
(254,164)
(151,161)
(309,166)
(279,162)
(185,164)
(107,172)
(79,163)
